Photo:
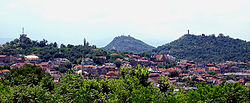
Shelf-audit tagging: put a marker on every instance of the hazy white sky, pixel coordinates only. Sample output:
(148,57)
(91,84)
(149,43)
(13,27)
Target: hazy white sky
(155,22)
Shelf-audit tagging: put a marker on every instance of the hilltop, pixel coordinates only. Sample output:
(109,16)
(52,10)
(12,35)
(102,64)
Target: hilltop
(207,48)
(128,43)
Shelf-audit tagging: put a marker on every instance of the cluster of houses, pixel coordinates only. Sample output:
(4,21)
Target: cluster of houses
(187,70)
(228,72)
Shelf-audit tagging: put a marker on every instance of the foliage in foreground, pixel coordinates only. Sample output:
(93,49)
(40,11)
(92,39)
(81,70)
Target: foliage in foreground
(132,86)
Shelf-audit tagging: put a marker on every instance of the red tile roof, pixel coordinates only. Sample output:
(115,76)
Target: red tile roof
(197,69)
(234,67)
(86,59)
(210,64)
(162,69)
(201,79)
(213,68)
(241,80)
(114,54)
(78,66)
(119,59)
(88,66)
(112,72)
(159,57)
(44,63)
(18,65)
(165,73)
(103,57)
(5,70)
(154,74)
(55,75)
(242,63)
(165,56)
(3,56)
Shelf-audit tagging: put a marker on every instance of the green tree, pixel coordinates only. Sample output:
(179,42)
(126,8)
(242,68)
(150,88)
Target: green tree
(174,74)
(164,84)
(117,63)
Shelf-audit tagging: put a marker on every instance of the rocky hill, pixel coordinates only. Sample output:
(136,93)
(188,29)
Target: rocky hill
(128,43)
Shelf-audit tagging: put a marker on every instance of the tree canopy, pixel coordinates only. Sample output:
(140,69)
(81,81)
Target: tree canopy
(31,84)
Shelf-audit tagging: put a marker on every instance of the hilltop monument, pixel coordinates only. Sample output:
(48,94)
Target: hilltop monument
(23,36)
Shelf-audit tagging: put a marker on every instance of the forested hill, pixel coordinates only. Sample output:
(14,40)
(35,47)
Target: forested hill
(207,48)
(47,51)
(128,43)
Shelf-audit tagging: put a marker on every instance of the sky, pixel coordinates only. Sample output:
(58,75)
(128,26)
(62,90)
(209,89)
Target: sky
(155,22)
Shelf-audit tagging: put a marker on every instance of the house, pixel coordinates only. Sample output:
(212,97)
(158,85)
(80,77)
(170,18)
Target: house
(135,56)
(230,81)
(18,60)
(200,79)
(110,67)
(112,74)
(78,67)
(154,78)
(140,61)
(126,63)
(89,67)
(33,59)
(4,72)
(210,65)
(241,64)
(119,59)
(153,63)
(46,64)
(235,69)
(153,70)
(88,61)
(171,57)
(17,65)
(58,61)
(160,59)
(242,81)
(196,70)
(213,69)
(182,66)
(56,77)
(101,70)
(246,76)
(211,80)
(183,61)
(5,58)
(113,54)
(173,69)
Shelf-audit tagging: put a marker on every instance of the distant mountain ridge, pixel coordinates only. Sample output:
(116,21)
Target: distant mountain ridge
(207,48)
(128,43)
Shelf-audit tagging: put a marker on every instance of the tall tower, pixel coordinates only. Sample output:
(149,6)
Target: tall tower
(22,35)
(84,42)
(23,30)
